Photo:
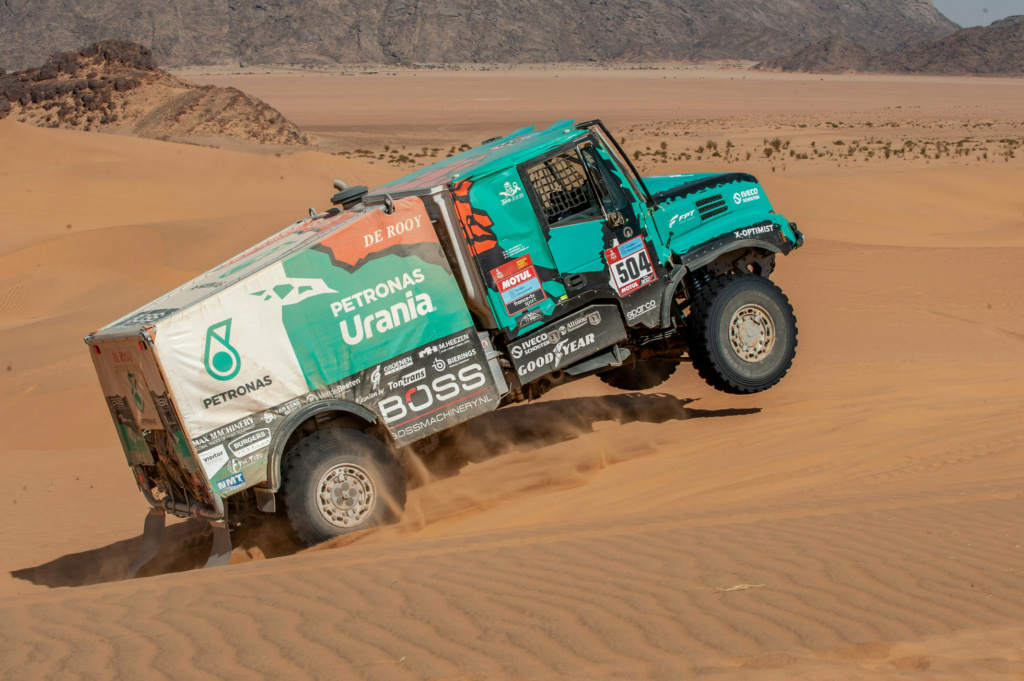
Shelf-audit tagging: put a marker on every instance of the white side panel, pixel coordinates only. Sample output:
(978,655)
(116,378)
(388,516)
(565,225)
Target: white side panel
(229,356)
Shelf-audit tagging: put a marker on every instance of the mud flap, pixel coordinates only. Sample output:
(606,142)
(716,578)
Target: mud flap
(152,540)
(220,552)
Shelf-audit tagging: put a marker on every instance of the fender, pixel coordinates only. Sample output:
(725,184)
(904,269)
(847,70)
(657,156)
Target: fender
(736,240)
(294,420)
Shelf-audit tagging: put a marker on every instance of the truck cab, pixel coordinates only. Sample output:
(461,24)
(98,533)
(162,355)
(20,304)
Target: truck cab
(556,221)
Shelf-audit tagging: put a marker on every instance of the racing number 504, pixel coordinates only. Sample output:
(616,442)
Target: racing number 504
(633,267)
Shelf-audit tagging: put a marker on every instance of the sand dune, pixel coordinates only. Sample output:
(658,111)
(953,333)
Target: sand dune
(860,520)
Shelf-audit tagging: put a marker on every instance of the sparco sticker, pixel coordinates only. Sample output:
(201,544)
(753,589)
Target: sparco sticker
(630,266)
(575,337)
(518,285)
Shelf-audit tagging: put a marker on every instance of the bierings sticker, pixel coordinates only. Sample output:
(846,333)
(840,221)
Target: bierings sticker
(518,285)
(630,266)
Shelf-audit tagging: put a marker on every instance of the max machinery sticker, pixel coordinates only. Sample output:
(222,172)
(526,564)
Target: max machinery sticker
(518,284)
(569,340)
(630,266)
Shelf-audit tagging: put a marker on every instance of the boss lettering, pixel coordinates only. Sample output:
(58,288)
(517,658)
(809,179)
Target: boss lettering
(423,397)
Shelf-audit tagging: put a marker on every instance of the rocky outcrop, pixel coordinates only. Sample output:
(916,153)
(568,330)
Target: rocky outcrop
(997,49)
(115,85)
(196,32)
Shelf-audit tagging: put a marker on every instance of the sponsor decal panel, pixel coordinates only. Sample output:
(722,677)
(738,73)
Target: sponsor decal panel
(574,338)
(757,230)
(512,192)
(238,464)
(681,218)
(433,388)
(518,284)
(451,383)
(357,310)
(630,266)
(746,196)
(213,460)
(249,443)
(228,484)
(642,309)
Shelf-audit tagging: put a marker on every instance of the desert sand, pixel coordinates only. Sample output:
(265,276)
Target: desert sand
(860,520)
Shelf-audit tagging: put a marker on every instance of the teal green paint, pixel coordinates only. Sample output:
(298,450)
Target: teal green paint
(578,247)
(316,330)
(518,233)
(515,222)
(486,159)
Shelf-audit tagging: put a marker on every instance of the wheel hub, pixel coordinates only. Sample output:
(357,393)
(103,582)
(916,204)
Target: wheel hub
(346,495)
(752,333)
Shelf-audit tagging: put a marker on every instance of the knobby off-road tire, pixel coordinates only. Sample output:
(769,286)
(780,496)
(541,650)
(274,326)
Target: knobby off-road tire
(640,375)
(742,334)
(338,481)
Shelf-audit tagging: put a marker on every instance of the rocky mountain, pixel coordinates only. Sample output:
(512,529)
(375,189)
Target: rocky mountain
(997,49)
(194,32)
(116,86)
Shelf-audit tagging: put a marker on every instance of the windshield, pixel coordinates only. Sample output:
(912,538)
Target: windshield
(612,149)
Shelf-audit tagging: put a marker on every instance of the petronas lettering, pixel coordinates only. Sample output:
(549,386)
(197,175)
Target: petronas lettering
(360,327)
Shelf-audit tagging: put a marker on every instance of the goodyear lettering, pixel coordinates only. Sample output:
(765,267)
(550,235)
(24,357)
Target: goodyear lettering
(552,360)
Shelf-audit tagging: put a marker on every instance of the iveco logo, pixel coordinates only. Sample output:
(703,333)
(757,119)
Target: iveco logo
(746,196)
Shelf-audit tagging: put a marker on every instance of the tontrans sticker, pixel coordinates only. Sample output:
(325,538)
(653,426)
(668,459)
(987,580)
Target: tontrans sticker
(630,266)
(518,285)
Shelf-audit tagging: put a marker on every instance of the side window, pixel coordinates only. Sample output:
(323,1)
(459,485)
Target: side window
(608,189)
(564,191)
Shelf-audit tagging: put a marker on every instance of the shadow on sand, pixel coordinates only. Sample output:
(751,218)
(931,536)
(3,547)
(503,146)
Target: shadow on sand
(532,426)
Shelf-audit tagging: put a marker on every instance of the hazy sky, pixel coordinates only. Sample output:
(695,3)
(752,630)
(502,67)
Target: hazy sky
(973,12)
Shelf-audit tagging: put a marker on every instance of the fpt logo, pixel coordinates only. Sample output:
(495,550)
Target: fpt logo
(221,360)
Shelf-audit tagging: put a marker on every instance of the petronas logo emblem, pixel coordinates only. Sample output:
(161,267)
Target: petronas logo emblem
(220,359)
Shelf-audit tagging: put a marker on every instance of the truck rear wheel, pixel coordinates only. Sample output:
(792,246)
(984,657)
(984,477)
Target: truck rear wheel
(742,334)
(338,481)
(641,375)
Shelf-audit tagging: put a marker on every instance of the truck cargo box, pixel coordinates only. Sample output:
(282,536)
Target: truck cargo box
(356,308)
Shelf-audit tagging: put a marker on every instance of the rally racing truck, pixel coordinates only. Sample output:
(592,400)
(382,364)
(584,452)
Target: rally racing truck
(300,376)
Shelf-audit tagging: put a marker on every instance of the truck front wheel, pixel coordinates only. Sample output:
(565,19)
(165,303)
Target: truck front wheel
(338,481)
(742,334)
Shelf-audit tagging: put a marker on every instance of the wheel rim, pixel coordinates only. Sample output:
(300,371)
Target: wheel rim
(752,333)
(346,495)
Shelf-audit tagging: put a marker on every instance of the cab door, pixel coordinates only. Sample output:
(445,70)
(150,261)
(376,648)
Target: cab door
(569,211)
(585,208)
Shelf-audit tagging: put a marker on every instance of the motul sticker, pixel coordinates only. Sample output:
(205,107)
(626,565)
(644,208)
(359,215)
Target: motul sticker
(518,285)
(630,266)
